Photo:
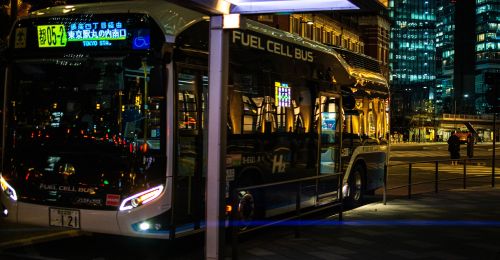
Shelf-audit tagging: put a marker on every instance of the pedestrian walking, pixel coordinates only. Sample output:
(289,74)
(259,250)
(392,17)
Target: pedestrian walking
(454,148)
(470,146)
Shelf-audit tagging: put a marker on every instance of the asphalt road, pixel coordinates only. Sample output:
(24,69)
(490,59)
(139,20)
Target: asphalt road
(437,151)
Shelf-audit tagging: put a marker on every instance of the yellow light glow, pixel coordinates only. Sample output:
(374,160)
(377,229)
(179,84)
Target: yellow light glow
(223,6)
(146,196)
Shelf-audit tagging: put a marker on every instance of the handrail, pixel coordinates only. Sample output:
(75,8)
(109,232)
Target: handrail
(433,161)
(288,181)
(436,180)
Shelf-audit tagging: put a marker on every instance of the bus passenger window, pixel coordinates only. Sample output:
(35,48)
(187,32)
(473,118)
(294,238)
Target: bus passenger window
(187,102)
(249,115)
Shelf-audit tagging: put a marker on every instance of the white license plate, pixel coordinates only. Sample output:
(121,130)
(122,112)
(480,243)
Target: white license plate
(60,217)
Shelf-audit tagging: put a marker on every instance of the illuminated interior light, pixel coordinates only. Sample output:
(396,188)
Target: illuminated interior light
(144,226)
(231,21)
(141,198)
(5,212)
(8,189)
(250,6)
(229,208)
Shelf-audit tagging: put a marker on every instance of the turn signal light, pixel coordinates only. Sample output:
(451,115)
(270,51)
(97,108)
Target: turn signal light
(141,198)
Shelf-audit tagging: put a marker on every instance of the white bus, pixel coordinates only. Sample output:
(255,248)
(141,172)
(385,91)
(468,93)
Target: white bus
(105,119)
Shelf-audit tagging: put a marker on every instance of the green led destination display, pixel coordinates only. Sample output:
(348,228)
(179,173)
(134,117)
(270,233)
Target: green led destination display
(83,32)
(91,34)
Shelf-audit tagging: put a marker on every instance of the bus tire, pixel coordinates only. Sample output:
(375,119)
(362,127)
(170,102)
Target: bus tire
(246,209)
(355,182)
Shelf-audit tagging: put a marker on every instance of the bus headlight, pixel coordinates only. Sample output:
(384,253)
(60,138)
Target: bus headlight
(9,191)
(141,198)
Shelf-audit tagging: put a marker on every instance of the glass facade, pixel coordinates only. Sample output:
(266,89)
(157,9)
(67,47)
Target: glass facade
(487,47)
(412,58)
(445,55)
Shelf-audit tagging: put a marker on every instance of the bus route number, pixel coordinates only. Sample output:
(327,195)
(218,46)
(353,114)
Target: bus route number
(53,35)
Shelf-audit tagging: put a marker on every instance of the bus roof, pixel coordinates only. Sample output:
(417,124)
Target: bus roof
(171,18)
(348,75)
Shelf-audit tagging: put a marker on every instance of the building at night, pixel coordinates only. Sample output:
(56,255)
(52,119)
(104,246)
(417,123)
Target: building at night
(413,68)
(464,58)
(445,50)
(467,53)
(487,50)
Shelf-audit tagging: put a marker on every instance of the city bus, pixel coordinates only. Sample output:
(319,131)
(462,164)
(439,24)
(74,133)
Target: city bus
(105,120)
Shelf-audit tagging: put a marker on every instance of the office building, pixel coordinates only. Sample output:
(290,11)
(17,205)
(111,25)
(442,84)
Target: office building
(413,67)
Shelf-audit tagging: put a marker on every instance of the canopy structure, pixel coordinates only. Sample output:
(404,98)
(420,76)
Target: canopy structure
(265,6)
(273,6)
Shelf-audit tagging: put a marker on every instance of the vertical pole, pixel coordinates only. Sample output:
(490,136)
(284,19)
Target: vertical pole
(465,173)
(494,146)
(436,178)
(385,184)
(216,180)
(234,228)
(341,189)
(298,198)
(409,181)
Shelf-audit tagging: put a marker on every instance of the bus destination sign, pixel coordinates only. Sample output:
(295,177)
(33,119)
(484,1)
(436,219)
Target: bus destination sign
(91,34)
(53,35)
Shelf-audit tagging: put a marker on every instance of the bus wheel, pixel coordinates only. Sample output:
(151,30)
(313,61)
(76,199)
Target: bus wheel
(355,187)
(246,209)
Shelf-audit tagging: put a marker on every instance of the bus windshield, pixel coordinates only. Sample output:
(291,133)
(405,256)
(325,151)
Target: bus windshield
(82,129)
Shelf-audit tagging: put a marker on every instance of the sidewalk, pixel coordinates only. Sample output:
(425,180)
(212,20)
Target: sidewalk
(456,224)
(437,143)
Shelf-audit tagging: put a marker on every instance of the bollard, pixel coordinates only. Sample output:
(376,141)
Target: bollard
(409,181)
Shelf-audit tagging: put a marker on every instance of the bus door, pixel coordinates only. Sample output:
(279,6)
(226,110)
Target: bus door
(190,163)
(329,147)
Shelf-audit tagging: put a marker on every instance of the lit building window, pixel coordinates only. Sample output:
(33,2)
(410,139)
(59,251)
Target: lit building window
(480,37)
